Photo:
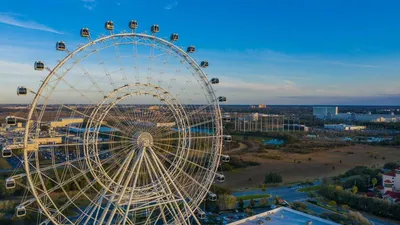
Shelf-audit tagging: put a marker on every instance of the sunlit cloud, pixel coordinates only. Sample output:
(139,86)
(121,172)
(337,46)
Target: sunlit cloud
(13,20)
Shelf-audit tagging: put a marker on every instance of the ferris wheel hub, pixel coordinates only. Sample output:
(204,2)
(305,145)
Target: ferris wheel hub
(142,139)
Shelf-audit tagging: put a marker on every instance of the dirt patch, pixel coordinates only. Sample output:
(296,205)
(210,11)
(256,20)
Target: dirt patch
(299,167)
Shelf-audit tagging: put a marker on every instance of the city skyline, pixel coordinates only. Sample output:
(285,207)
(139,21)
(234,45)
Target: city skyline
(289,52)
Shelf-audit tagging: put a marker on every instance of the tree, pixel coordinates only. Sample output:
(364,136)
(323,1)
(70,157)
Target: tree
(264,202)
(241,204)
(338,188)
(354,189)
(390,165)
(252,203)
(226,202)
(272,178)
(374,182)
(332,203)
(345,207)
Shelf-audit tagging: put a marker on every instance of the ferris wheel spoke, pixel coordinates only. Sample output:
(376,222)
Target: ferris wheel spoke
(43,194)
(187,138)
(184,159)
(182,171)
(71,202)
(75,111)
(53,166)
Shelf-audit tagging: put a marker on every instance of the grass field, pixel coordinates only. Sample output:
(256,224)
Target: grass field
(296,167)
(310,189)
(248,197)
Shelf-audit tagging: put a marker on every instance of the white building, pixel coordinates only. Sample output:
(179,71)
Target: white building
(283,216)
(323,111)
(391,185)
(343,127)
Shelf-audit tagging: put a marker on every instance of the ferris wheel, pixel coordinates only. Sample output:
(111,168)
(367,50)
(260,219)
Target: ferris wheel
(125,129)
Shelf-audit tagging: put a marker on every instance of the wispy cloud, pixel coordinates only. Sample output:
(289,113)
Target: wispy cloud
(13,20)
(89,4)
(289,82)
(171,5)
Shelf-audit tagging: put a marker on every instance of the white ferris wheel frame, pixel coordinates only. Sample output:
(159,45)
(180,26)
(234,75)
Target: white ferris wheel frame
(201,77)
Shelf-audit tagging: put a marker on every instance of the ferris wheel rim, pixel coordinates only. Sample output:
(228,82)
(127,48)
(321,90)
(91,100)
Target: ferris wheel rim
(197,70)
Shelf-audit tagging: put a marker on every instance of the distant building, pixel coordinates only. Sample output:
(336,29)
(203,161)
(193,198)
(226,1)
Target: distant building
(323,111)
(333,114)
(262,106)
(343,127)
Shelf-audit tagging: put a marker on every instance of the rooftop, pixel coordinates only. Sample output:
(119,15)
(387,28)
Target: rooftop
(283,216)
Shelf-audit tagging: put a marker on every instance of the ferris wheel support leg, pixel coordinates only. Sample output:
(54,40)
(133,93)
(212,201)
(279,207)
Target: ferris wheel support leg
(162,168)
(166,192)
(127,181)
(119,172)
(134,183)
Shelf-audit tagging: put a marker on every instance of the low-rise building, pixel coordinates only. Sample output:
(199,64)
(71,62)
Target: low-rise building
(343,127)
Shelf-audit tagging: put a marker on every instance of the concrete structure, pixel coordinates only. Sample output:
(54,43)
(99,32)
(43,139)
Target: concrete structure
(323,111)
(343,127)
(283,216)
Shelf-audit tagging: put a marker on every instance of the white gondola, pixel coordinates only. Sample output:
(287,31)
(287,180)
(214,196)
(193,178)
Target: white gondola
(6,152)
(222,99)
(214,80)
(10,120)
(226,118)
(133,24)
(155,29)
(220,178)
(10,183)
(191,49)
(39,65)
(212,197)
(227,138)
(60,46)
(201,214)
(204,64)
(22,91)
(85,32)
(109,25)
(21,211)
(225,158)
(174,37)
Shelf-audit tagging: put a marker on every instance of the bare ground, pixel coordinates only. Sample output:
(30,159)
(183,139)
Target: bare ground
(309,170)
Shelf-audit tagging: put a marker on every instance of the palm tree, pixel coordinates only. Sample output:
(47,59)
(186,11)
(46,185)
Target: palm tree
(374,181)
(354,189)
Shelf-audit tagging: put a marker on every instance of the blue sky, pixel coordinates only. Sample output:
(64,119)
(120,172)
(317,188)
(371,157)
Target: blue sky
(272,52)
